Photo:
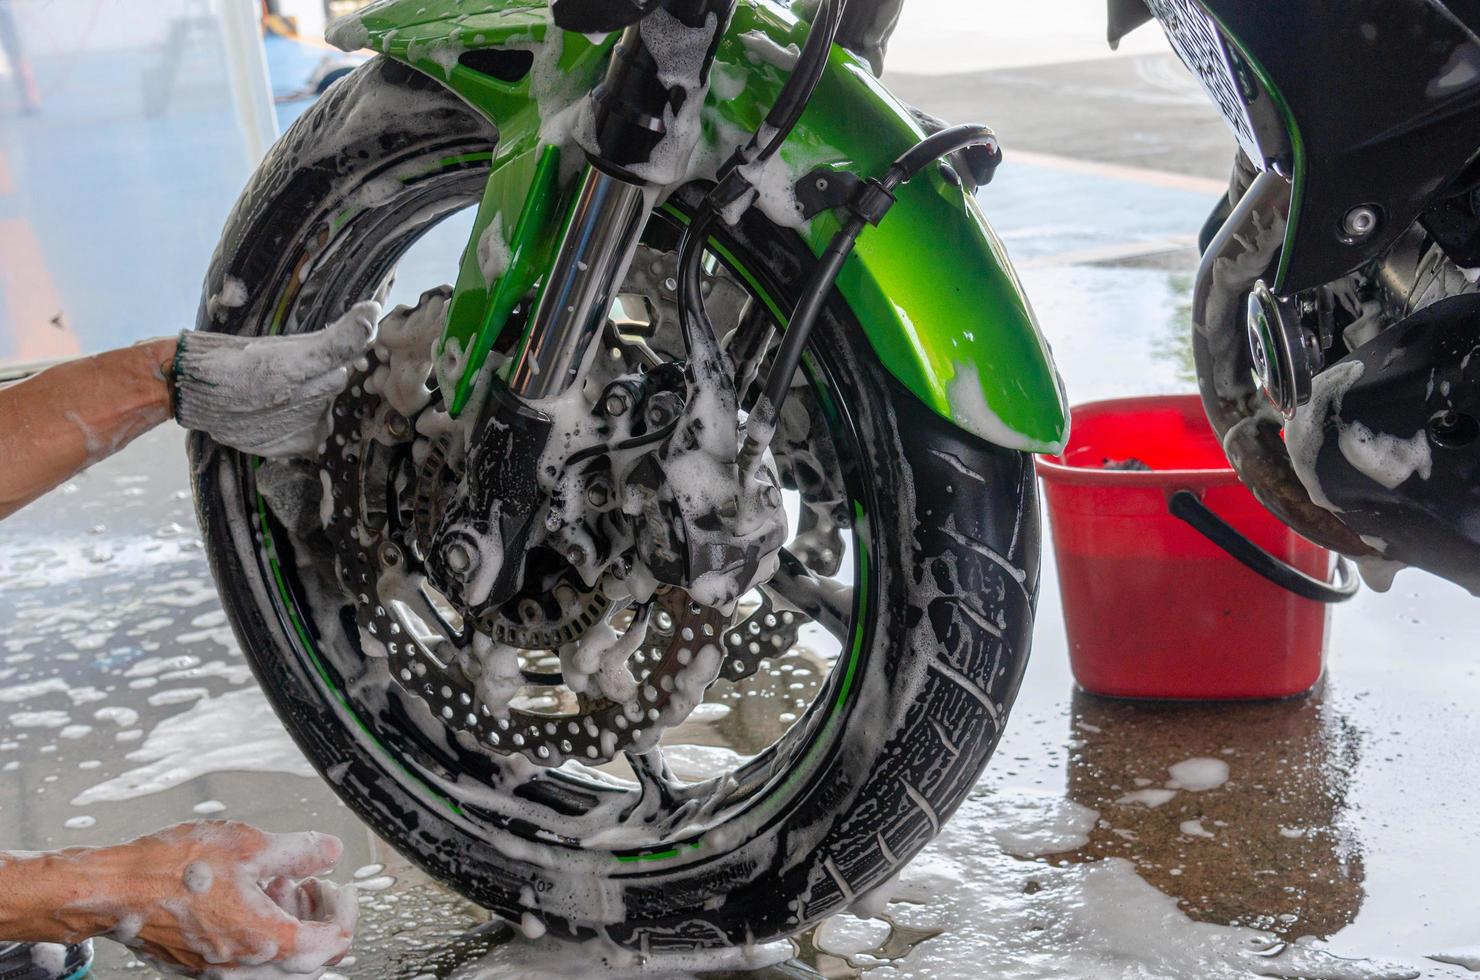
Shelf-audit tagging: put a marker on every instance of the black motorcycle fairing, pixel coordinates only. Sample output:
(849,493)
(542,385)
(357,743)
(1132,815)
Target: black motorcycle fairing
(1399,447)
(1381,99)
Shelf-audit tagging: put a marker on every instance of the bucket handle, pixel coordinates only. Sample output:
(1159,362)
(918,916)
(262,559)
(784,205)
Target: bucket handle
(1185,505)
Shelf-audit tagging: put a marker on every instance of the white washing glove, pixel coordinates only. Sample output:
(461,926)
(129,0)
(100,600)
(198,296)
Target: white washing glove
(269,396)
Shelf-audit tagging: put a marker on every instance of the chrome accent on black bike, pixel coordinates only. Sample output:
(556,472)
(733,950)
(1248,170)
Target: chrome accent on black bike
(1286,357)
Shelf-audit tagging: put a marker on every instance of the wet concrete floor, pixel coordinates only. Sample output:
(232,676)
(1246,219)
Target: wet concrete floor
(1346,815)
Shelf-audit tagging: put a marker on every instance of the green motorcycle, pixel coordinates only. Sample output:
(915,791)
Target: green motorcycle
(669,576)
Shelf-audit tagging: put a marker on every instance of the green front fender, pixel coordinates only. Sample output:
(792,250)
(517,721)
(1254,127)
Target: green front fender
(932,285)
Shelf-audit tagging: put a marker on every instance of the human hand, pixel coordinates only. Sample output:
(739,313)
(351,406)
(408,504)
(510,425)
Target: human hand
(269,396)
(221,900)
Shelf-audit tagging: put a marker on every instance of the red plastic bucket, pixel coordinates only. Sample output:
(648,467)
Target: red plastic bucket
(1154,608)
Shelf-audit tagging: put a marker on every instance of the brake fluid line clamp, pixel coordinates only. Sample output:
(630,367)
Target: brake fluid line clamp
(827,189)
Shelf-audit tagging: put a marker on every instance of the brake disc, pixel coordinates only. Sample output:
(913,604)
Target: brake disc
(384,479)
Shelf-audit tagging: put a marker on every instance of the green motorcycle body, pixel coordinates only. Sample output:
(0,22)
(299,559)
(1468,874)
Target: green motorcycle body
(932,284)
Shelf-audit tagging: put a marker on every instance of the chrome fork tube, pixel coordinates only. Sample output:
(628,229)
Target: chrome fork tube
(595,252)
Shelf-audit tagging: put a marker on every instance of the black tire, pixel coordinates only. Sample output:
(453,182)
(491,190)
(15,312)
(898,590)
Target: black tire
(951,533)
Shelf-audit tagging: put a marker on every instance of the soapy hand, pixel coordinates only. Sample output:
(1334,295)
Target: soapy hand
(269,396)
(222,900)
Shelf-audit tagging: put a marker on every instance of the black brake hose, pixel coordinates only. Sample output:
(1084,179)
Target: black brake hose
(761,423)
(696,327)
(807,74)
(762,420)
(778,125)
(933,148)
(635,442)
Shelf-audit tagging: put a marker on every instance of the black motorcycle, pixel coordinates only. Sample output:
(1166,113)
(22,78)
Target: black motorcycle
(1336,310)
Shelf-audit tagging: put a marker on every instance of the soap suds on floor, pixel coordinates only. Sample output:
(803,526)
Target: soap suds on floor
(1198,775)
(547,958)
(1031,825)
(1148,797)
(40,719)
(1195,828)
(236,732)
(1468,958)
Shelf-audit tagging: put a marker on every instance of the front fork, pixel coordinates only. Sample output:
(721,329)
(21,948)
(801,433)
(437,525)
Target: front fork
(501,495)
(631,111)
(601,235)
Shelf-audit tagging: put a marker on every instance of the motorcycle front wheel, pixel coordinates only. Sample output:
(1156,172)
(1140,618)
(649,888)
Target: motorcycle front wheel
(799,786)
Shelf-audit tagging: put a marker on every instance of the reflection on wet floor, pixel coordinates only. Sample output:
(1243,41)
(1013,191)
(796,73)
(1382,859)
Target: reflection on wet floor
(760,708)
(1277,828)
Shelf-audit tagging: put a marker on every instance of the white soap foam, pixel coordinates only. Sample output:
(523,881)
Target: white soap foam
(1194,828)
(970,409)
(40,719)
(546,958)
(1387,459)
(379,883)
(1148,797)
(178,695)
(1033,824)
(710,711)
(760,47)
(697,762)
(122,717)
(28,692)
(1198,774)
(1305,434)
(1469,958)
(493,251)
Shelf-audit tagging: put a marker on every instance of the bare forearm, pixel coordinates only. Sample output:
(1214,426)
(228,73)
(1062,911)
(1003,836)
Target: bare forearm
(40,895)
(59,422)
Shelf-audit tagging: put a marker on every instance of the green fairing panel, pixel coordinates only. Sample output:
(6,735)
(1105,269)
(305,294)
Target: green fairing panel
(932,285)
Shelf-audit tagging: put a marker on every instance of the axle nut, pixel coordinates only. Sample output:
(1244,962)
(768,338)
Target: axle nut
(460,559)
(663,409)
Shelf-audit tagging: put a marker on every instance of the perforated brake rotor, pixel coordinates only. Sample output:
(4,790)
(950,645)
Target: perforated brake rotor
(372,475)
(766,633)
